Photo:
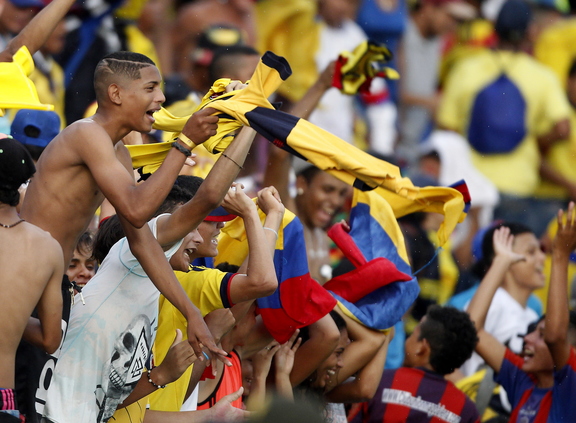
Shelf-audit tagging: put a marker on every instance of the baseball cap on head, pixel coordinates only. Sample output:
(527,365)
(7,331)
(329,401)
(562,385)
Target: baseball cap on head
(513,20)
(35,127)
(27,3)
(16,164)
(220,214)
(213,38)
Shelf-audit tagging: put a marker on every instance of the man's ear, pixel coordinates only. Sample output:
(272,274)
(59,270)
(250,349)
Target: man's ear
(115,94)
(301,184)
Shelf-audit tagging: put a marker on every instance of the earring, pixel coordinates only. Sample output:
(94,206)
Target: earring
(300,191)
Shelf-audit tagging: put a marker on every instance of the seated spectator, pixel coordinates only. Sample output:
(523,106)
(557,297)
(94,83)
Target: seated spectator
(418,392)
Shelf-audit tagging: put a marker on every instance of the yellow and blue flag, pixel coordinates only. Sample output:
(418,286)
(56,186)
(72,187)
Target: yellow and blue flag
(382,287)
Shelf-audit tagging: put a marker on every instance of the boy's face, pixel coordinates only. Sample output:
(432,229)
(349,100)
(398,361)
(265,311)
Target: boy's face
(528,273)
(412,347)
(187,252)
(209,232)
(143,97)
(82,268)
(328,371)
(536,354)
(322,198)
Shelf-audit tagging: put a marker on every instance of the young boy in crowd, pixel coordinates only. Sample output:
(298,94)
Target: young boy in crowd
(418,392)
(36,285)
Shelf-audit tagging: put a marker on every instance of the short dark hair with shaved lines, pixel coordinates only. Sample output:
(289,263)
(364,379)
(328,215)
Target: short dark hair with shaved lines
(121,63)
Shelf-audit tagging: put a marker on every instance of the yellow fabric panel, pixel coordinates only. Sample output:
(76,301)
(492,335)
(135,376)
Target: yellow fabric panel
(289,28)
(17,91)
(203,289)
(130,9)
(139,43)
(469,385)
(556,48)
(46,94)
(515,173)
(562,157)
(134,413)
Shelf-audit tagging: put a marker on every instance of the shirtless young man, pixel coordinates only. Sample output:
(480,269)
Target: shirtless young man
(86,163)
(36,286)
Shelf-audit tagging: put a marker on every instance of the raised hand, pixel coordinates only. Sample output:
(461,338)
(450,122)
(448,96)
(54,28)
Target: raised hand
(237,201)
(235,86)
(269,201)
(503,242)
(262,360)
(284,358)
(565,239)
(201,125)
(199,336)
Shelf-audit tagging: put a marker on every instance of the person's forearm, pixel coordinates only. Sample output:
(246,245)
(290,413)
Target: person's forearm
(198,416)
(480,303)
(147,197)
(557,314)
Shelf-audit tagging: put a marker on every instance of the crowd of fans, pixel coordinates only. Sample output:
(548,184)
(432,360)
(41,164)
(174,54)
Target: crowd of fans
(186,269)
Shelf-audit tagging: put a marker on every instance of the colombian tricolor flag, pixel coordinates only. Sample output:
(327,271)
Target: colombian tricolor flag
(381,288)
(299,300)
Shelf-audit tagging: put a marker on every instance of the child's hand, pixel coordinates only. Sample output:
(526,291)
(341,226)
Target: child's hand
(269,201)
(284,358)
(262,360)
(180,356)
(237,202)
(565,239)
(503,241)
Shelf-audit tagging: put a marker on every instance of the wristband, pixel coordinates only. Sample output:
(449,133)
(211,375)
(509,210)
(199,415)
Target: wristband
(272,230)
(186,140)
(181,149)
(152,382)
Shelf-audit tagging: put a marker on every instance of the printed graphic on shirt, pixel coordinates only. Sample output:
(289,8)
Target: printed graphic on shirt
(396,396)
(124,369)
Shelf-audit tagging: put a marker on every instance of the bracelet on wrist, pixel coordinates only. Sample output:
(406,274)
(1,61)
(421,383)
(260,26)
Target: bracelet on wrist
(186,140)
(151,381)
(181,149)
(272,230)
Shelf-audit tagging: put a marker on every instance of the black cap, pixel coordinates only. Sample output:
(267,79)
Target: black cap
(513,20)
(16,164)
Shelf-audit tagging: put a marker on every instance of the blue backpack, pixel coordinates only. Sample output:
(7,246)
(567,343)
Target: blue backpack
(498,118)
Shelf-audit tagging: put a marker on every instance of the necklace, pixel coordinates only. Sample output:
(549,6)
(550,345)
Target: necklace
(12,225)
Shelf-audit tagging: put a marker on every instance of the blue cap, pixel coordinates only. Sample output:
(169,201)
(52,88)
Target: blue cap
(220,214)
(27,3)
(35,127)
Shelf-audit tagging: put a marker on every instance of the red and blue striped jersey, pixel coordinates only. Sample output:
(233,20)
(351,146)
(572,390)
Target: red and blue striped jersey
(416,395)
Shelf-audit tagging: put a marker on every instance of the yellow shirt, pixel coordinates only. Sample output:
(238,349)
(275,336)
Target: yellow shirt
(208,289)
(556,48)
(516,172)
(561,156)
